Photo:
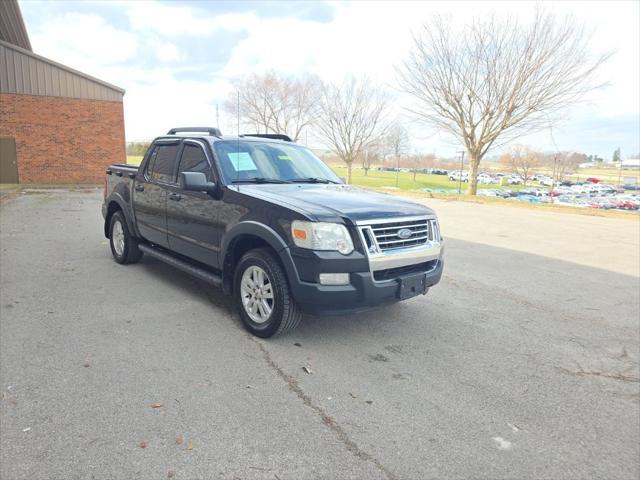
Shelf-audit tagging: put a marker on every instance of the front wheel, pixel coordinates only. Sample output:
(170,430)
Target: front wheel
(262,296)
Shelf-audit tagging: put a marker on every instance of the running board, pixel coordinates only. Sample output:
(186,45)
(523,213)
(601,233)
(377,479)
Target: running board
(187,267)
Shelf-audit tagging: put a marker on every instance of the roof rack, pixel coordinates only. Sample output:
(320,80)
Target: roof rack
(210,130)
(273,136)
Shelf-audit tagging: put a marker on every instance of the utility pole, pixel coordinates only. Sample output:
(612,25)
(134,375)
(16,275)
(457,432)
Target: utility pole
(461,152)
(217,118)
(619,172)
(554,173)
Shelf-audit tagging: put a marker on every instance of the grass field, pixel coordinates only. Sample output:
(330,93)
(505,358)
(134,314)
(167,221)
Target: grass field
(380,179)
(610,175)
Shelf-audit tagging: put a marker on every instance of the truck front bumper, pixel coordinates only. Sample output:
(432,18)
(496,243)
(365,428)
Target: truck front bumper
(363,292)
(374,279)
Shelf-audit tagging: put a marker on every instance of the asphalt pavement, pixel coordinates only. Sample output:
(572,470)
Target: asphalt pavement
(518,365)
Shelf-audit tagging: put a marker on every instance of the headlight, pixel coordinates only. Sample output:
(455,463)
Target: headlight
(321,236)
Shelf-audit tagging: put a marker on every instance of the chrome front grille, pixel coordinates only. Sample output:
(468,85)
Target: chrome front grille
(403,234)
(386,251)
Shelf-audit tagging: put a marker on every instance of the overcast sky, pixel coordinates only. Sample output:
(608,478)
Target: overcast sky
(177,60)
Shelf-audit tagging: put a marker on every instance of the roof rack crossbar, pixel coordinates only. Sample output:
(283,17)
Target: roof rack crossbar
(210,130)
(274,136)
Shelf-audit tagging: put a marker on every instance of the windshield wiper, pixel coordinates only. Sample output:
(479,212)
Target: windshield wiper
(260,180)
(312,180)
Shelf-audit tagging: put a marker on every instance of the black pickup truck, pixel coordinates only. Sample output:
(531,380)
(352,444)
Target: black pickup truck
(271,224)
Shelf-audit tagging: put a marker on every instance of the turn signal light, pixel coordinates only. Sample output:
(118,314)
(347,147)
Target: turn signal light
(299,234)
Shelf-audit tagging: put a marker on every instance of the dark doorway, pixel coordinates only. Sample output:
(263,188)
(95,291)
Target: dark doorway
(8,160)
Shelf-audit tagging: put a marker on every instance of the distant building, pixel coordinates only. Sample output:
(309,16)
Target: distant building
(588,165)
(57,125)
(630,163)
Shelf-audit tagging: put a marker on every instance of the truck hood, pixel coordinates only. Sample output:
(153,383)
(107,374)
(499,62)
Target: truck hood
(329,202)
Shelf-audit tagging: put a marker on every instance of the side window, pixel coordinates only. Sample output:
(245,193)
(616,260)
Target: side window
(194,160)
(150,163)
(164,162)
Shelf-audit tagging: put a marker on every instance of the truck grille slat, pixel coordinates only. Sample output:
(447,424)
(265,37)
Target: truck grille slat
(397,226)
(415,233)
(389,242)
(426,230)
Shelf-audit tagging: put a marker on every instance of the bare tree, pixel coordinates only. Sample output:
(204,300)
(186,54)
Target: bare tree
(352,117)
(521,161)
(373,152)
(497,79)
(421,161)
(397,140)
(563,163)
(271,103)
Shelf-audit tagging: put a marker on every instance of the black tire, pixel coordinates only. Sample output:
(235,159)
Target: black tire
(285,314)
(130,253)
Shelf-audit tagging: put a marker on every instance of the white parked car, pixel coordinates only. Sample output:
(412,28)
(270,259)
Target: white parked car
(514,180)
(486,179)
(546,181)
(455,176)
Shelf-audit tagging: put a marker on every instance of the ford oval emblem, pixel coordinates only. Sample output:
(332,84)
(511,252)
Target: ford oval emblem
(404,233)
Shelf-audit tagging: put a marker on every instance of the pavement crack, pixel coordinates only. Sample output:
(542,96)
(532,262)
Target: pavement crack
(615,375)
(327,420)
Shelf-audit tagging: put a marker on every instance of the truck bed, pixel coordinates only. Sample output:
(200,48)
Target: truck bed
(121,168)
(120,177)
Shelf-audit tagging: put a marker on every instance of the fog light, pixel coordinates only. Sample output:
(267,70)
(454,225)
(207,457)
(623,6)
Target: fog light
(334,279)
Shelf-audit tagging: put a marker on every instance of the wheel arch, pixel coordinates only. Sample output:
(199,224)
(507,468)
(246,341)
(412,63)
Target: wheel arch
(115,204)
(246,236)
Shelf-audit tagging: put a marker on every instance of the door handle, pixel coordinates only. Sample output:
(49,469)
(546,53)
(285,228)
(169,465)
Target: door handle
(175,196)
(139,187)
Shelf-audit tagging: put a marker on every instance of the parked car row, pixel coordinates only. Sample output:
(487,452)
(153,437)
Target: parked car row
(592,185)
(485,178)
(591,195)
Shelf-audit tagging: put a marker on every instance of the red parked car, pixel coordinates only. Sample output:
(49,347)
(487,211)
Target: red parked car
(593,180)
(627,205)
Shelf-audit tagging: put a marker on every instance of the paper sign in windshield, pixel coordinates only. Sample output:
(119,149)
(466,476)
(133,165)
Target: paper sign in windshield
(241,161)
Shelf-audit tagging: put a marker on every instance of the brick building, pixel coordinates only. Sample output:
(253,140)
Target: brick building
(57,125)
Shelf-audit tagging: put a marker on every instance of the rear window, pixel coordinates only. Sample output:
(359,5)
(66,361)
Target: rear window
(165,160)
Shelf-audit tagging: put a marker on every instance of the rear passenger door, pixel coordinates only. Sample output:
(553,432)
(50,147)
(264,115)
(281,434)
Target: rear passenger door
(192,217)
(150,192)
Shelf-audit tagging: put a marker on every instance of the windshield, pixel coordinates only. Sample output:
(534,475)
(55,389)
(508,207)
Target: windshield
(243,161)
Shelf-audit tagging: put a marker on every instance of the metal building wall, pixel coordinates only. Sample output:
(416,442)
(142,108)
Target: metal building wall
(24,72)
(12,28)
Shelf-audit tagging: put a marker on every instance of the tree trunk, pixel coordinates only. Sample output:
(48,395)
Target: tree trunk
(349,164)
(366,171)
(474,161)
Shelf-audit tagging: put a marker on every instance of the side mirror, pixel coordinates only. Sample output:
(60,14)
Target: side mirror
(196,182)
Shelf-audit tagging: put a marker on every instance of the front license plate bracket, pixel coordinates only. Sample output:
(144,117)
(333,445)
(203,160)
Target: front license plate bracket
(412,285)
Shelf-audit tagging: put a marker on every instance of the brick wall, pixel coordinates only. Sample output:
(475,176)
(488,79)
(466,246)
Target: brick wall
(63,140)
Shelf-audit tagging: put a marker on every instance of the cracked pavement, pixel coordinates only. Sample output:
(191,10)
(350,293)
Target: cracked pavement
(522,363)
